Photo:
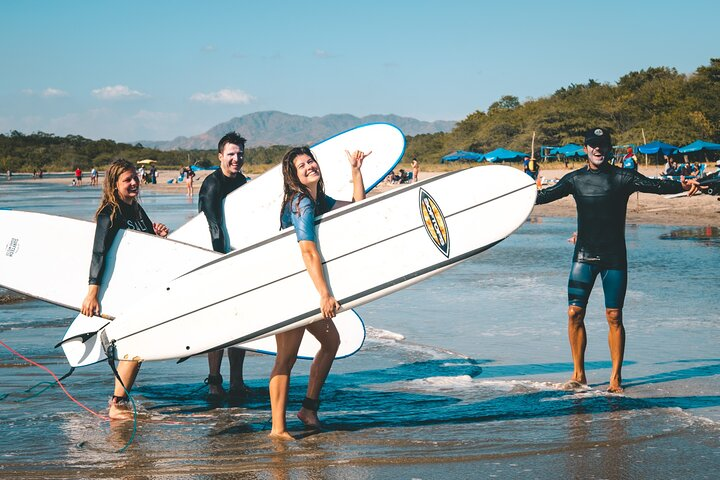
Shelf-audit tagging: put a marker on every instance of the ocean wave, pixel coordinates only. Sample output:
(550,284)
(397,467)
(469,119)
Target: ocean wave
(379,333)
(398,340)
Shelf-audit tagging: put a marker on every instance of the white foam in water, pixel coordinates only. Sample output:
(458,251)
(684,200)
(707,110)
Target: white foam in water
(379,333)
(398,341)
(464,385)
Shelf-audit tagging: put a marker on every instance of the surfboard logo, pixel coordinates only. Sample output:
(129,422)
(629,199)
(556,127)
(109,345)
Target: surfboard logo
(12,247)
(434,222)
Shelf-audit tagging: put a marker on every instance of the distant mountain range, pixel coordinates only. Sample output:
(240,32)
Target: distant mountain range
(277,128)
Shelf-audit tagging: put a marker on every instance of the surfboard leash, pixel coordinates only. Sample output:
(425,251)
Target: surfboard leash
(111,353)
(58,381)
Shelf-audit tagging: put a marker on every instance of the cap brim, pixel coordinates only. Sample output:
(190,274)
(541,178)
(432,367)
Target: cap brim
(597,142)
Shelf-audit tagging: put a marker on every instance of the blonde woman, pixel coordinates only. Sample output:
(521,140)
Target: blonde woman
(119,209)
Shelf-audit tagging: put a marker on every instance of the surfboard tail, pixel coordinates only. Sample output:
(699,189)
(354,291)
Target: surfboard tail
(82,344)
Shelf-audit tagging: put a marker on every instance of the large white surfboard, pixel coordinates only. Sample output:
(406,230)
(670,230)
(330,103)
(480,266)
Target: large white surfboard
(42,249)
(255,212)
(369,249)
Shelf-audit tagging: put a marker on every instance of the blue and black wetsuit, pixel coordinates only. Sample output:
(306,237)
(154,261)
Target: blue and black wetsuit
(212,193)
(601,197)
(129,216)
(300,213)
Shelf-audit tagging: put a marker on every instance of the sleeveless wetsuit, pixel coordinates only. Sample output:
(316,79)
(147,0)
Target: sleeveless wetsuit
(300,213)
(129,216)
(212,193)
(601,197)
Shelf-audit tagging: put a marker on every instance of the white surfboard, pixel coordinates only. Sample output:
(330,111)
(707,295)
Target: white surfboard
(58,247)
(255,211)
(369,249)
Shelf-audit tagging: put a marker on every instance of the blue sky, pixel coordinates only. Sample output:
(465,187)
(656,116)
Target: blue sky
(156,69)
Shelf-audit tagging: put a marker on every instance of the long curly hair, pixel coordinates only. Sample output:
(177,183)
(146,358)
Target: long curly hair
(291,182)
(110,194)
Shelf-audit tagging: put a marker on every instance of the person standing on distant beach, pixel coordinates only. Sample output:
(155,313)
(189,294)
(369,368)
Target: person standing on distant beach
(217,186)
(93,177)
(531,167)
(601,193)
(189,176)
(119,209)
(415,169)
(630,160)
(78,177)
(303,199)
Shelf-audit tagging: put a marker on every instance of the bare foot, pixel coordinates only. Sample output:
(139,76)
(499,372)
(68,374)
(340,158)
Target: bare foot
(216,390)
(572,385)
(615,388)
(239,393)
(120,411)
(309,418)
(281,436)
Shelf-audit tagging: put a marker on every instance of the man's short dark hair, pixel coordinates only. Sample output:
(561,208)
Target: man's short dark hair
(231,137)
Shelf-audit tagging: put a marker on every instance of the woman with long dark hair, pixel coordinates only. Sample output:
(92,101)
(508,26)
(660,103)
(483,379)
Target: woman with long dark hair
(304,199)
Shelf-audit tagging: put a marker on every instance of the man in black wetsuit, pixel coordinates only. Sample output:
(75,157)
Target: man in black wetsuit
(215,188)
(601,193)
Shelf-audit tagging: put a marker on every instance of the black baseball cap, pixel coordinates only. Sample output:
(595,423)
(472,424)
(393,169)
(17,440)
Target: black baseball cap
(597,137)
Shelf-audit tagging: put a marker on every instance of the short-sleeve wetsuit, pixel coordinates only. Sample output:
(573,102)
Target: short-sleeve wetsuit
(212,193)
(129,216)
(601,197)
(300,213)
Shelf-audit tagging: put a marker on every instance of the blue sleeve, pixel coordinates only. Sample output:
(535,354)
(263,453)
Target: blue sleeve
(302,217)
(329,203)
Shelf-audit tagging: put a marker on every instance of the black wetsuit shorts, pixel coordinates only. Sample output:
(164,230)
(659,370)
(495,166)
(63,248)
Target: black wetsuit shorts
(581,281)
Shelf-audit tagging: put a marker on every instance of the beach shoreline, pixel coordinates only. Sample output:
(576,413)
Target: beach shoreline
(643,208)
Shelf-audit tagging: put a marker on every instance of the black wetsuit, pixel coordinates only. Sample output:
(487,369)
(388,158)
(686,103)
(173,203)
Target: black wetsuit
(601,197)
(129,216)
(212,193)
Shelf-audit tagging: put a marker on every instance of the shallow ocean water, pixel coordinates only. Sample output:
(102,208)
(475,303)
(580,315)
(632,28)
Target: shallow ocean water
(459,376)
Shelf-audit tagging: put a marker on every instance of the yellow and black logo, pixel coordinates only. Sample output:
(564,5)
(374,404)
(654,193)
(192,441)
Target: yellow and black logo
(434,222)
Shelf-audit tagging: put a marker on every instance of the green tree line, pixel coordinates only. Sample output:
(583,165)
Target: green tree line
(25,153)
(654,104)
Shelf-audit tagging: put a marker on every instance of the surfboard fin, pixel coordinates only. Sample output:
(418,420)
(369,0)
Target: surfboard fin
(84,337)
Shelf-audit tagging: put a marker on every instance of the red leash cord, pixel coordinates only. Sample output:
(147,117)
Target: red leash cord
(14,352)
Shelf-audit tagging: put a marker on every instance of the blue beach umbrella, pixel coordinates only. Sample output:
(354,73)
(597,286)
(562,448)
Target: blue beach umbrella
(657,147)
(699,146)
(503,155)
(572,150)
(462,155)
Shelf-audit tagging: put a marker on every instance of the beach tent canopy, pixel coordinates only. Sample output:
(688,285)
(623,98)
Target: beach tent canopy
(147,161)
(571,150)
(699,146)
(503,155)
(462,155)
(657,147)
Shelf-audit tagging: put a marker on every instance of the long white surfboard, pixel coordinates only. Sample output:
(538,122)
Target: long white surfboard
(137,261)
(256,206)
(434,224)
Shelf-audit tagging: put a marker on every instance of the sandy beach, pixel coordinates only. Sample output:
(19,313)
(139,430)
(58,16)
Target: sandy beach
(643,208)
